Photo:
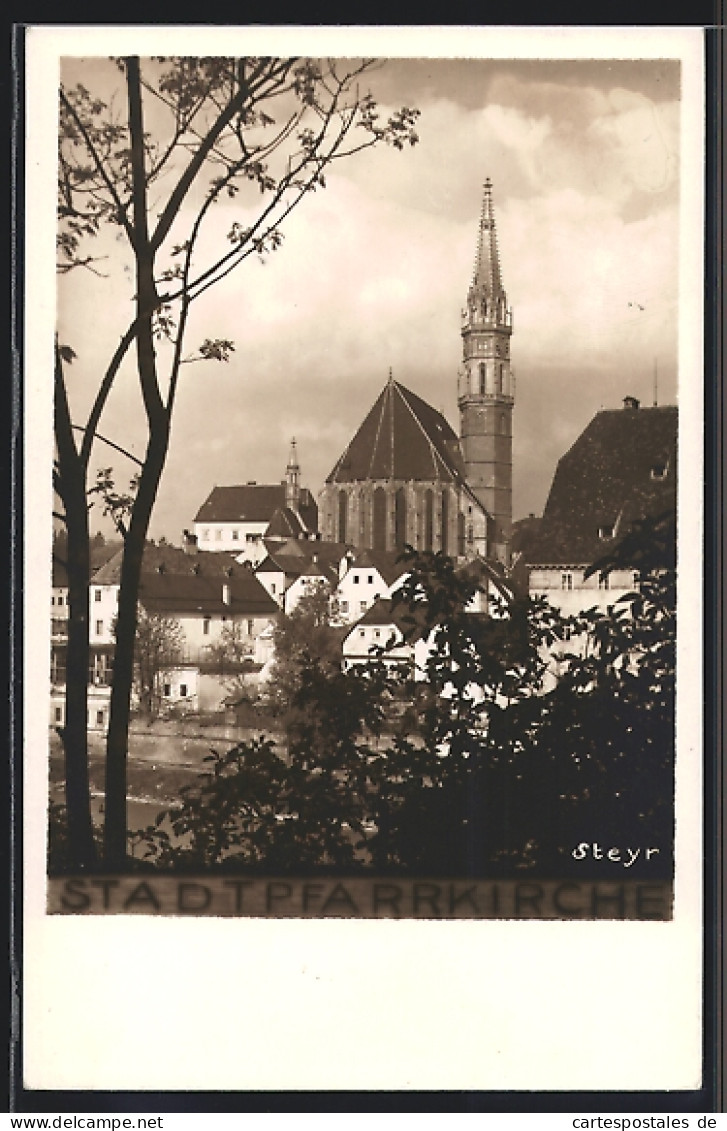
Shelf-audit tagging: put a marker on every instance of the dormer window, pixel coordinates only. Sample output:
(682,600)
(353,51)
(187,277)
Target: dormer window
(659,470)
(606,531)
(161,568)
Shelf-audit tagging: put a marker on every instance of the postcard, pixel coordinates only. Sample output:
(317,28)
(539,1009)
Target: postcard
(363,389)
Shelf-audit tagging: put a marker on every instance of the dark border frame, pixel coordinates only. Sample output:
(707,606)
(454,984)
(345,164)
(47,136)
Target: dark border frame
(711,1096)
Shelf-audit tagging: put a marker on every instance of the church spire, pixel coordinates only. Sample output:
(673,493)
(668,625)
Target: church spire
(486,277)
(486,386)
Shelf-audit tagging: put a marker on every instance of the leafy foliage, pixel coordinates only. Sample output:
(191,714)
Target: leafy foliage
(538,731)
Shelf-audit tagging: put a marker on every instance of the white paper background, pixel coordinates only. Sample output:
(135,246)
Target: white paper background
(142,1003)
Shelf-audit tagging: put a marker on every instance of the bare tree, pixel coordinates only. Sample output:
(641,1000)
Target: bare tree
(159,646)
(221,126)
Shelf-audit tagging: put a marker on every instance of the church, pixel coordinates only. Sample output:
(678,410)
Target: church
(406,477)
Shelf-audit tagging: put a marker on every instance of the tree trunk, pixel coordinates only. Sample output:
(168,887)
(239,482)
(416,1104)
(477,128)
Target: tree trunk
(117,746)
(72,489)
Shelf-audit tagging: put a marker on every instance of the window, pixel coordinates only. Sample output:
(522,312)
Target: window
(206,626)
(250,626)
(606,531)
(99,718)
(99,628)
(59,714)
(659,471)
(604,581)
(363,606)
(356,579)
(635,579)
(206,534)
(97,594)
(370,579)
(52,600)
(235,535)
(182,691)
(272,588)
(566,581)
(218,535)
(470,534)
(377,633)
(344,606)
(362,632)
(167,690)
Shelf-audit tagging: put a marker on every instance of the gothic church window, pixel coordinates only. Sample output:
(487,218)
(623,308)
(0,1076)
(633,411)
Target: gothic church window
(400,518)
(482,377)
(428,519)
(379,538)
(342,515)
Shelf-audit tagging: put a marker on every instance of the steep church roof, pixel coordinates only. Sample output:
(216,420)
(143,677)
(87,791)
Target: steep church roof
(402,437)
(621,468)
(254,502)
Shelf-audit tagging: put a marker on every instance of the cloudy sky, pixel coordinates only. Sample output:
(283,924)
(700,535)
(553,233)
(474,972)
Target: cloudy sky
(584,160)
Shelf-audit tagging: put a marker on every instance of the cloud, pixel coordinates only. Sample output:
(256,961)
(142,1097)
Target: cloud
(374,269)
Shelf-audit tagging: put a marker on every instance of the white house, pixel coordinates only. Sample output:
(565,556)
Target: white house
(207,595)
(236,519)
(367,576)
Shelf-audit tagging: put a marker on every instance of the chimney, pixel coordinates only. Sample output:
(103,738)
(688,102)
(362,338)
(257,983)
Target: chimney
(189,542)
(631,403)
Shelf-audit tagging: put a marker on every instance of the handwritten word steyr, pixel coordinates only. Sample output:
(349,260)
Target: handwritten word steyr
(627,857)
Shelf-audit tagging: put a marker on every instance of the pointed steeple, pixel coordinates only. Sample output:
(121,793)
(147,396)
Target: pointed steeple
(292,478)
(486,277)
(486,389)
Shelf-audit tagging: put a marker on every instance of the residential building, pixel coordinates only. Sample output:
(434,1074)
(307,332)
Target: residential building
(237,519)
(622,468)
(365,577)
(209,597)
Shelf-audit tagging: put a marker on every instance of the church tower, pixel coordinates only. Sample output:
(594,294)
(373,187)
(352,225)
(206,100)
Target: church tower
(486,391)
(292,478)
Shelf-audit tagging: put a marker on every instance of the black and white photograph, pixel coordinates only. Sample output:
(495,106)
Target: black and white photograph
(364,515)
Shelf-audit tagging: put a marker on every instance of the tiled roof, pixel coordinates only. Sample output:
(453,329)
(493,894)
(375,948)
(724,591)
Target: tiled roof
(386,611)
(175,594)
(60,574)
(253,502)
(402,437)
(289,523)
(174,582)
(621,468)
(294,557)
(385,561)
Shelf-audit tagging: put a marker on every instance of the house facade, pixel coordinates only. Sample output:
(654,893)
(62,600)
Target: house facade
(237,519)
(211,599)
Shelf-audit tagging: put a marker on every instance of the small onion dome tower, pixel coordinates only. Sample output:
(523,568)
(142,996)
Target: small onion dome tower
(292,478)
